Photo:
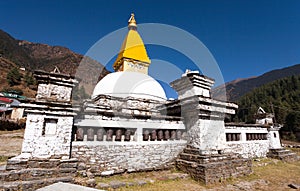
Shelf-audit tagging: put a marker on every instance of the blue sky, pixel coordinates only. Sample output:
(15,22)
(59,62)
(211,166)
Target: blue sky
(246,37)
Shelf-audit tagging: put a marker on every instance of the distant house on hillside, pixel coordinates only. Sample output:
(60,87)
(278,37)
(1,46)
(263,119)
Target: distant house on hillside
(9,107)
(5,107)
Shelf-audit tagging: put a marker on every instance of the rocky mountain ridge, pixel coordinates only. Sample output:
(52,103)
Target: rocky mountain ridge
(33,56)
(237,88)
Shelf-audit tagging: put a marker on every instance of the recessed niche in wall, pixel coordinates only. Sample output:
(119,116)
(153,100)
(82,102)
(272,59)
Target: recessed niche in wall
(50,126)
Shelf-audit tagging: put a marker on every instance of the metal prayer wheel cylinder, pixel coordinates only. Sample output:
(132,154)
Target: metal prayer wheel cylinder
(79,134)
(184,136)
(167,135)
(118,135)
(265,137)
(178,135)
(90,134)
(227,136)
(160,135)
(127,135)
(100,133)
(233,137)
(248,136)
(146,135)
(238,137)
(109,135)
(173,135)
(153,135)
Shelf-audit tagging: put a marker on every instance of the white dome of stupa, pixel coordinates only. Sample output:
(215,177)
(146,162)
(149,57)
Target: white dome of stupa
(130,84)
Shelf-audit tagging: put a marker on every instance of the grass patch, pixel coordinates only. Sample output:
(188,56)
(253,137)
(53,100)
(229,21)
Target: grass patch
(167,185)
(128,177)
(3,132)
(17,137)
(276,173)
(4,159)
(295,150)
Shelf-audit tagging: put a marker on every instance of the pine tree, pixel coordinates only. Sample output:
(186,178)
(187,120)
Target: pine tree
(29,80)
(14,77)
(283,94)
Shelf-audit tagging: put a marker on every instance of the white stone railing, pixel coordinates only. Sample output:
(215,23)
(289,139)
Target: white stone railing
(245,134)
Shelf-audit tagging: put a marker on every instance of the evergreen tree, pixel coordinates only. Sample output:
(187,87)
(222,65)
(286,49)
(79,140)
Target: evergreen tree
(14,77)
(292,122)
(282,94)
(29,80)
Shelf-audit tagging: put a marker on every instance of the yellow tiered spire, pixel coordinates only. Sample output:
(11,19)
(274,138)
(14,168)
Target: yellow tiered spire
(133,55)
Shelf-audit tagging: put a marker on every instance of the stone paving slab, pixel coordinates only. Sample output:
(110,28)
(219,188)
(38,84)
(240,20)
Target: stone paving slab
(60,186)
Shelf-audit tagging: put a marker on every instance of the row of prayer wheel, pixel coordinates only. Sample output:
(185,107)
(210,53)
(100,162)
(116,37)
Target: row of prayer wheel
(256,136)
(101,132)
(160,135)
(233,136)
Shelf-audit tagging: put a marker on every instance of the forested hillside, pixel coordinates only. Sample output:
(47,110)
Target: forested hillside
(281,96)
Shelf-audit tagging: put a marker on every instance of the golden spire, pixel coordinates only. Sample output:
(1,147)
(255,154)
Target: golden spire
(132,22)
(133,55)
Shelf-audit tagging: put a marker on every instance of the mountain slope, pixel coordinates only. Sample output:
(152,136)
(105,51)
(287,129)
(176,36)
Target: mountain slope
(236,89)
(280,96)
(33,56)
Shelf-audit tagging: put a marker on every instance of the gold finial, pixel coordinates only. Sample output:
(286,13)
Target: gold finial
(132,23)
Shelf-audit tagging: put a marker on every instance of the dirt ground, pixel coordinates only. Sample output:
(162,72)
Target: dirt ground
(10,144)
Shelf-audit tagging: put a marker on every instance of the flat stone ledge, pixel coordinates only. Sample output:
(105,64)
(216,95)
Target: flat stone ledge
(60,186)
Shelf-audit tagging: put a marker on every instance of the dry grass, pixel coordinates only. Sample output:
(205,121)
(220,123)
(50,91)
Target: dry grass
(11,144)
(156,180)
(274,174)
(278,174)
(174,185)
(268,175)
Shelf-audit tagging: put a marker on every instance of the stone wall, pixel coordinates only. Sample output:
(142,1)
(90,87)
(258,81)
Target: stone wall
(54,92)
(29,175)
(211,169)
(252,141)
(104,158)
(40,140)
(250,149)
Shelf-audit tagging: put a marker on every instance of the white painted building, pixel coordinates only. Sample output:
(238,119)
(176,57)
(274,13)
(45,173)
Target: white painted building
(129,125)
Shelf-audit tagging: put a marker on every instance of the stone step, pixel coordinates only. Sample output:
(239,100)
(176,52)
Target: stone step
(18,164)
(279,151)
(212,172)
(196,158)
(209,161)
(191,151)
(185,161)
(289,157)
(208,158)
(284,151)
(32,184)
(35,174)
(283,154)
